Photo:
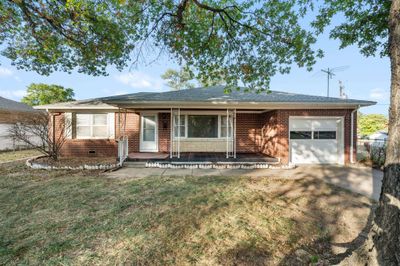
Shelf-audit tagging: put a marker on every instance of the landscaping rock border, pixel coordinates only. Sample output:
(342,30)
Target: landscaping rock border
(217,165)
(34,165)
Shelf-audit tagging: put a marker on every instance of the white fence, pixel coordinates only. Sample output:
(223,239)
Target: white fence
(372,149)
(122,149)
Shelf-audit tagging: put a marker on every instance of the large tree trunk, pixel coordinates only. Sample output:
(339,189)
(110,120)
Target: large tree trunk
(383,244)
(387,216)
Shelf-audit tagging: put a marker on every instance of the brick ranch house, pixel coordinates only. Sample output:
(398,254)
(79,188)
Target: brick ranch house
(293,128)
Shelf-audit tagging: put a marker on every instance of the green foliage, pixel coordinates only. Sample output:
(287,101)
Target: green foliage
(178,80)
(181,79)
(371,123)
(365,24)
(39,94)
(251,40)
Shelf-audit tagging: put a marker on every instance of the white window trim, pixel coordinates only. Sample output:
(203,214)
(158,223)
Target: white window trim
(107,125)
(192,138)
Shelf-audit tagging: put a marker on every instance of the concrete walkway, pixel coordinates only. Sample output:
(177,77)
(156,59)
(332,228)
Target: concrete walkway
(362,180)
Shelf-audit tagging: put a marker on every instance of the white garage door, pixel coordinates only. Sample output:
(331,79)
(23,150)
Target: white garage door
(316,140)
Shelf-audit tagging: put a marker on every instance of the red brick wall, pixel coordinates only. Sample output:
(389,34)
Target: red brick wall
(12,117)
(248,132)
(266,133)
(81,147)
(164,132)
(276,130)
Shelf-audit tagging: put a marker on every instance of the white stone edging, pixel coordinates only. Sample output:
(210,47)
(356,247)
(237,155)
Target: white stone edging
(30,163)
(217,166)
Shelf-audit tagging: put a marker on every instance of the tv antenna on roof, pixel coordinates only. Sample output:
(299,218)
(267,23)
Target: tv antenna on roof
(330,72)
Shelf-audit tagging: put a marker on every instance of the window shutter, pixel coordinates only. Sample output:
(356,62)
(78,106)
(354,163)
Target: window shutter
(68,127)
(111,125)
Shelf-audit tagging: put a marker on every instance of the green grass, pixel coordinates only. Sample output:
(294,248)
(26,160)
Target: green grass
(6,156)
(83,218)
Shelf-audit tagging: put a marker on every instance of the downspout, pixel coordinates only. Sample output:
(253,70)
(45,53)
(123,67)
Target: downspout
(352,135)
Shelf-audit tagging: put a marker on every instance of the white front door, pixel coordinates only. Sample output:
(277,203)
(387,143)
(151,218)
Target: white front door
(148,133)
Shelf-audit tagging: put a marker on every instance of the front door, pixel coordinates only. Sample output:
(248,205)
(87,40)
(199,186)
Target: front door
(148,134)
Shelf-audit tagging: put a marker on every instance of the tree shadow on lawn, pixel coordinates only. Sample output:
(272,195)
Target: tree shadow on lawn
(76,218)
(344,218)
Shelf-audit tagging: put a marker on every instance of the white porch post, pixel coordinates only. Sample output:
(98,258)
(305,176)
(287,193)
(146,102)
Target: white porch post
(175,145)
(234,133)
(230,130)
(227,134)
(171,134)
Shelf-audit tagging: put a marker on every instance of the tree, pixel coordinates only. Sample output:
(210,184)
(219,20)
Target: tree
(181,79)
(40,94)
(371,123)
(178,80)
(40,132)
(250,40)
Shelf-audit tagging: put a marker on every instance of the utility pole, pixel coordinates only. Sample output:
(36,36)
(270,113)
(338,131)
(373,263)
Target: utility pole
(329,75)
(342,94)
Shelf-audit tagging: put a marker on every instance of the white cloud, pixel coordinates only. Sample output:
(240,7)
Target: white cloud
(111,92)
(13,94)
(5,72)
(140,80)
(378,94)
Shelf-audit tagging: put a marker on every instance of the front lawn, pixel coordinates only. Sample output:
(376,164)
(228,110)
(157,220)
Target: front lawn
(65,217)
(6,156)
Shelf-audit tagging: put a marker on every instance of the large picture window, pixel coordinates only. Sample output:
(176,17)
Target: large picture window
(179,126)
(91,126)
(202,126)
(226,127)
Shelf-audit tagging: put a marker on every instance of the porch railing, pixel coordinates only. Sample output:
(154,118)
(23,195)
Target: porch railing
(122,149)
(231,133)
(175,142)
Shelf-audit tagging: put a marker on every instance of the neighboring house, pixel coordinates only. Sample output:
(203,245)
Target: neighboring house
(379,138)
(11,112)
(295,128)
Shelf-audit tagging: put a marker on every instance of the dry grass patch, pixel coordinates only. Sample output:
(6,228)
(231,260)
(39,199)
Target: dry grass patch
(71,217)
(6,156)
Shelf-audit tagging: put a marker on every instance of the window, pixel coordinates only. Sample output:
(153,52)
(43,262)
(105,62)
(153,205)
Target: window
(149,128)
(91,126)
(202,126)
(324,134)
(300,134)
(224,128)
(179,126)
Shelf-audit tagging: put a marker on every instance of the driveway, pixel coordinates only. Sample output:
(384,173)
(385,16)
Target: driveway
(361,180)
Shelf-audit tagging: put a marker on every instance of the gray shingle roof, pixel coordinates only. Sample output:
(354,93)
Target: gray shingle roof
(10,105)
(217,94)
(204,96)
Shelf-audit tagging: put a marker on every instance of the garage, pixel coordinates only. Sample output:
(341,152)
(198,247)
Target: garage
(316,140)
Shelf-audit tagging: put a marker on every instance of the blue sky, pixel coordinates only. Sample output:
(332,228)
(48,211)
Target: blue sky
(365,78)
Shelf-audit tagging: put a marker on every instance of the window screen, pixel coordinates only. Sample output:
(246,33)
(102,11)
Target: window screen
(203,126)
(324,134)
(300,134)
